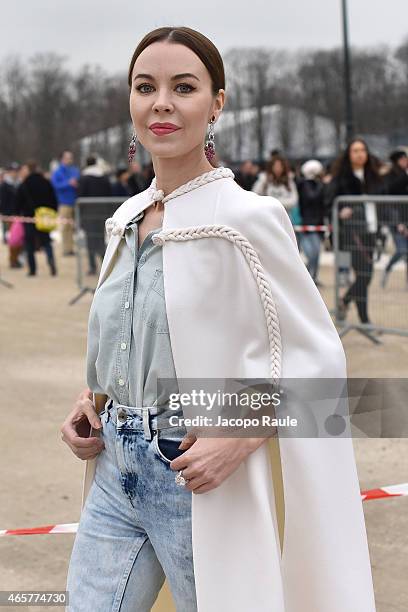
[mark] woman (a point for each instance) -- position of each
(34, 191)
(355, 173)
(216, 290)
(277, 182)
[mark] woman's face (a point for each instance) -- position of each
(358, 155)
(24, 172)
(158, 96)
(277, 168)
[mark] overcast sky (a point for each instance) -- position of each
(107, 31)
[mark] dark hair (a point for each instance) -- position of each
(32, 166)
(284, 178)
(120, 172)
(342, 165)
(397, 155)
(91, 160)
(197, 42)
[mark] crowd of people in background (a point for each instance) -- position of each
(25, 187)
(306, 189)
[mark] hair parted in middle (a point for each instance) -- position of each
(341, 167)
(194, 40)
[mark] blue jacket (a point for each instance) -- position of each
(66, 193)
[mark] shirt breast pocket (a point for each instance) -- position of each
(154, 306)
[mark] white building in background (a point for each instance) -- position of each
(288, 129)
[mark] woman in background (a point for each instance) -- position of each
(277, 182)
(356, 173)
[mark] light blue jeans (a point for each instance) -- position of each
(310, 243)
(135, 527)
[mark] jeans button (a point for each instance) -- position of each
(122, 414)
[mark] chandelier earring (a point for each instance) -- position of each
(210, 145)
(132, 148)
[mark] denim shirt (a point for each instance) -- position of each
(128, 335)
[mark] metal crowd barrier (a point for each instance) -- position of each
(370, 297)
(90, 237)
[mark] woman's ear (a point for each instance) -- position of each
(219, 103)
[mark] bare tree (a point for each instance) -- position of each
(45, 107)
(320, 87)
(50, 104)
(14, 123)
(235, 98)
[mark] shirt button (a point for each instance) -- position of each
(127, 304)
(121, 382)
(123, 346)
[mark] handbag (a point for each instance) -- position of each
(16, 234)
(99, 401)
(45, 219)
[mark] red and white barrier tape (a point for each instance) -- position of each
(11, 218)
(312, 228)
(297, 228)
(392, 491)
(64, 528)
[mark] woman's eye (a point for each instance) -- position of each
(190, 87)
(139, 87)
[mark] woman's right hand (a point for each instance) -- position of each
(76, 428)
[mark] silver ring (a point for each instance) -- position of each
(180, 480)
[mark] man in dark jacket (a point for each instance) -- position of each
(137, 181)
(120, 188)
(34, 191)
(94, 183)
(246, 175)
(397, 185)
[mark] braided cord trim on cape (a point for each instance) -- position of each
(203, 179)
(251, 256)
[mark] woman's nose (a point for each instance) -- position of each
(162, 103)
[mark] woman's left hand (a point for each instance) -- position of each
(209, 461)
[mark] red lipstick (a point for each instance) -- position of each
(161, 129)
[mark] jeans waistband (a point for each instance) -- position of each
(140, 410)
(150, 416)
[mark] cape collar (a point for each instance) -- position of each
(116, 225)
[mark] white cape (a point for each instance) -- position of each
(285, 532)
